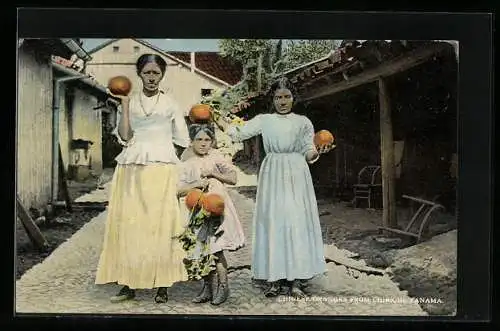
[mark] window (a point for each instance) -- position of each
(136, 49)
(205, 92)
(116, 49)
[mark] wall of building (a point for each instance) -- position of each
(34, 129)
(87, 125)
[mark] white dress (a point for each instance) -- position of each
(143, 213)
(153, 134)
(232, 237)
(287, 240)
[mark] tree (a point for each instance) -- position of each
(256, 56)
(264, 60)
(299, 52)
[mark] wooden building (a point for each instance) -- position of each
(389, 103)
(49, 116)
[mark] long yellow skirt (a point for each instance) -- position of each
(143, 216)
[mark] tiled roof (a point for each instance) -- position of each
(213, 64)
(354, 58)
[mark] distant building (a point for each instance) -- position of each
(190, 75)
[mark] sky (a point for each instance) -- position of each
(183, 45)
(172, 45)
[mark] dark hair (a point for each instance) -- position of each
(281, 83)
(196, 128)
(150, 58)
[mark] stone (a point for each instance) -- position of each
(63, 283)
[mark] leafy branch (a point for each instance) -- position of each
(263, 61)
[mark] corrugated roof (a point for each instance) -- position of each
(48, 46)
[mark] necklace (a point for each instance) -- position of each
(152, 108)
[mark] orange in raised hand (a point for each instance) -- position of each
(323, 138)
(120, 85)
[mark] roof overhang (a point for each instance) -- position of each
(76, 49)
(96, 88)
(342, 63)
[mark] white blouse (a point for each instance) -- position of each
(157, 123)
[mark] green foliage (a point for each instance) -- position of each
(263, 61)
(300, 52)
(244, 50)
(223, 100)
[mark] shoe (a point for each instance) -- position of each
(205, 294)
(162, 295)
(273, 290)
(222, 294)
(125, 294)
(296, 291)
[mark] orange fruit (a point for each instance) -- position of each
(120, 85)
(213, 203)
(194, 198)
(323, 138)
(200, 113)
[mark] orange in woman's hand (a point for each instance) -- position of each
(120, 85)
(323, 138)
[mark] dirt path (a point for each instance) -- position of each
(64, 282)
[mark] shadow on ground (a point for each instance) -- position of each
(60, 226)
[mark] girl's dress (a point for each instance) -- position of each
(287, 240)
(143, 212)
(205, 236)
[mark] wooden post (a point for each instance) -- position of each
(337, 169)
(64, 182)
(387, 157)
(31, 228)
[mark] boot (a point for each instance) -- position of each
(125, 294)
(222, 289)
(273, 289)
(162, 295)
(296, 291)
(205, 294)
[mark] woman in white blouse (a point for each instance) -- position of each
(143, 215)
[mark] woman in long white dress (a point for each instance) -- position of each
(139, 251)
(287, 242)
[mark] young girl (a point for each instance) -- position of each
(206, 168)
(287, 243)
